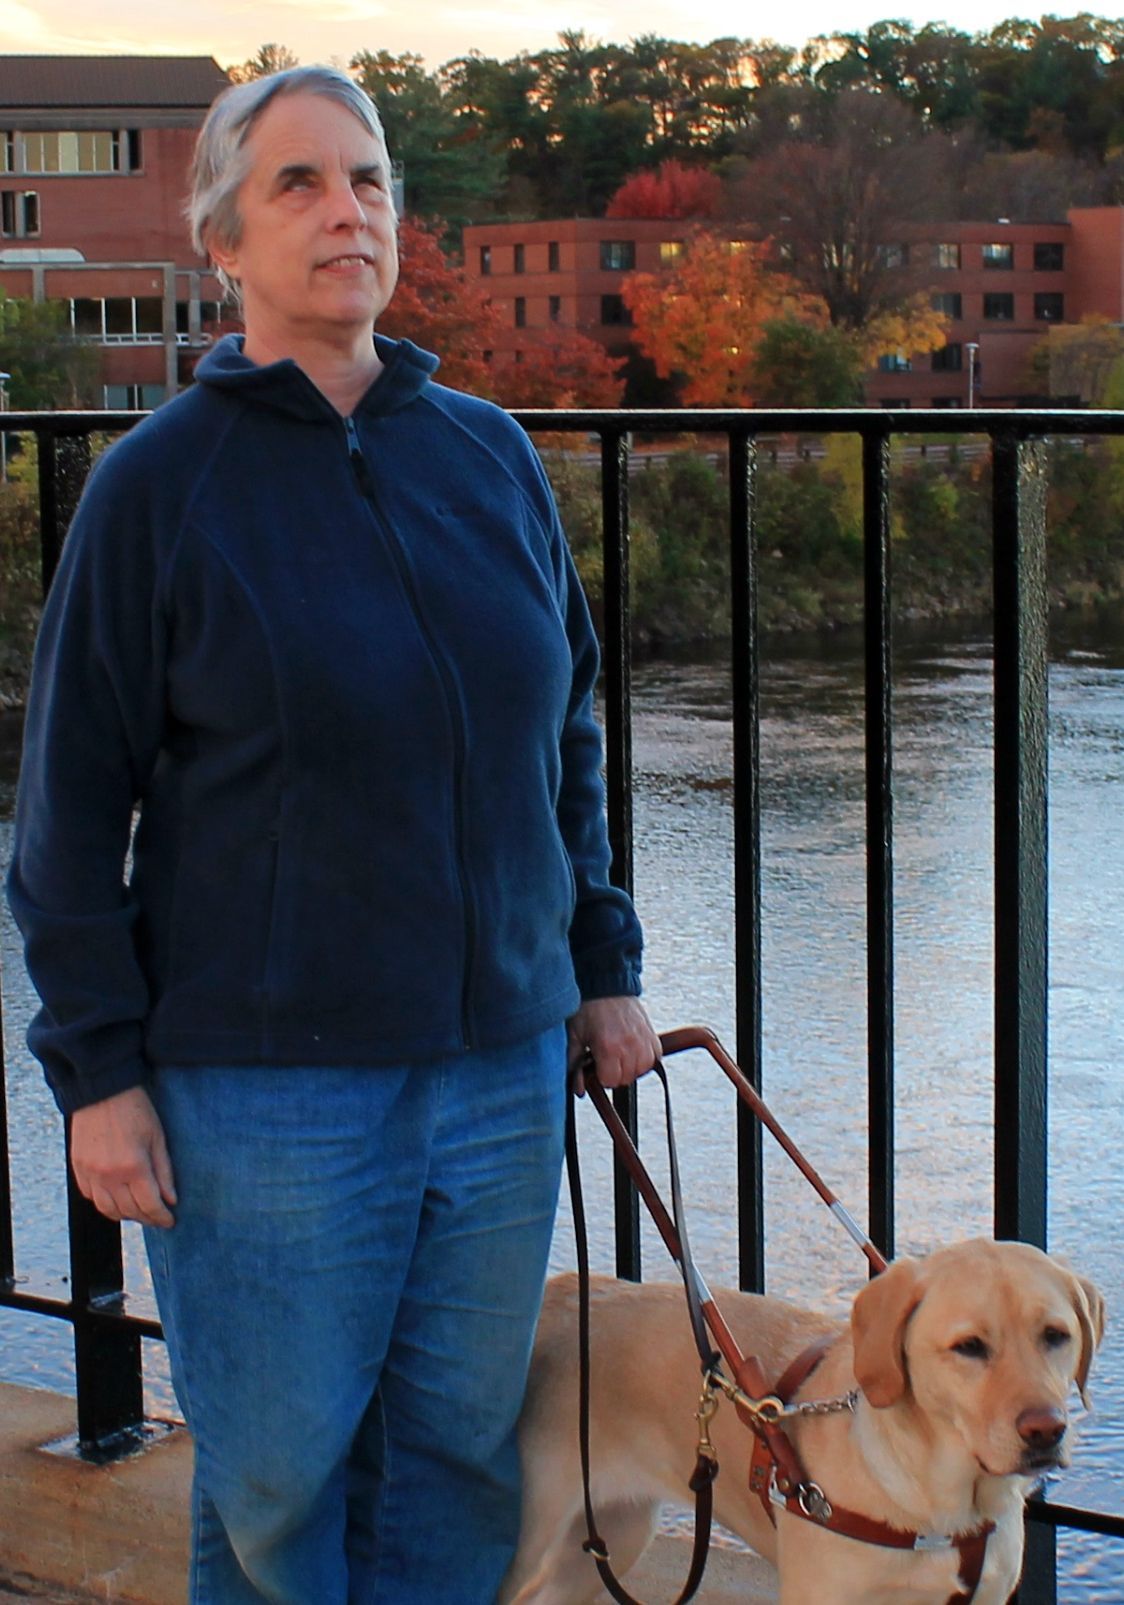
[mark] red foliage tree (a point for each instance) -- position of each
(439, 308)
(559, 368)
(669, 190)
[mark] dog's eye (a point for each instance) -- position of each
(972, 1348)
(1055, 1337)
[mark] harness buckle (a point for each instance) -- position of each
(813, 1501)
(708, 1406)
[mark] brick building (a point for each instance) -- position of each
(1003, 286)
(94, 153)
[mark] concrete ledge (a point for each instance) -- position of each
(117, 1533)
(73, 1532)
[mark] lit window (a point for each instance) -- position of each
(1000, 255)
(670, 251)
(946, 254)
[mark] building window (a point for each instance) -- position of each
(999, 307)
(122, 320)
(7, 152)
(893, 256)
(946, 255)
(670, 251)
(133, 398)
(1049, 306)
(949, 359)
(894, 362)
(553, 257)
(520, 312)
(614, 311)
(618, 256)
(555, 308)
(69, 152)
(19, 213)
(895, 401)
(947, 401)
(519, 259)
(1049, 256)
(485, 261)
(950, 302)
(999, 255)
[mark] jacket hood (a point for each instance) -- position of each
(286, 387)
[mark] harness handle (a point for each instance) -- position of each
(701, 1036)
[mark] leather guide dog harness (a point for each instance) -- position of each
(776, 1475)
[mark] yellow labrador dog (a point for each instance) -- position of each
(964, 1362)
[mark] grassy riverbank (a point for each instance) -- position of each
(809, 533)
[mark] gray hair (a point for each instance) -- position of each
(222, 162)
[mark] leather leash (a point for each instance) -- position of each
(701, 1482)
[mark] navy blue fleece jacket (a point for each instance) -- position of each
(345, 669)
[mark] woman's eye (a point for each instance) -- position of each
(972, 1348)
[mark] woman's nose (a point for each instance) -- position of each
(345, 210)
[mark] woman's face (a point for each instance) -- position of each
(317, 260)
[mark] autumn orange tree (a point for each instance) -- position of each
(704, 319)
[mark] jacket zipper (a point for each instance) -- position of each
(448, 686)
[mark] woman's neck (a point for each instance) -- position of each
(342, 373)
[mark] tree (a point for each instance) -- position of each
(449, 169)
(670, 190)
(797, 364)
(704, 319)
(1080, 362)
(835, 198)
(559, 368)
(268, 60)
(439, 308)
(47, 366)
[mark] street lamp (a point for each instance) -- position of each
(973, 351)
(4, 377)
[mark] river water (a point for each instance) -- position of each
(814, 996)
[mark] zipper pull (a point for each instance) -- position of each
(358, 461)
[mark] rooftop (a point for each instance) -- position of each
(76, 82)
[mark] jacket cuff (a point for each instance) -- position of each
(74, 1093)
(623, 982)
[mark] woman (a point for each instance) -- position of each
(317, 617)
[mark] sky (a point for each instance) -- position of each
(439, 30)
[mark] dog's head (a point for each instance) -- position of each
(985, 1340)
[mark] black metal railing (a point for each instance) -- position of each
(107, 1338)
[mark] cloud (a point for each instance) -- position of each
(22, 24)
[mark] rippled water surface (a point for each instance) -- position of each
(814, 996)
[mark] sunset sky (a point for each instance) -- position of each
(438, 30)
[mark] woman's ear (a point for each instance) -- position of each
(878, 1321)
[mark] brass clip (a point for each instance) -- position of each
(708, 1405)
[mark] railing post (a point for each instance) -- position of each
(745, 670)
(108, 1376)
(879, 838)
(1021, 640)
(7, 1244)
(618, 773)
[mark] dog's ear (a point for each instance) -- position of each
(1089, 1308)
(878, 1319)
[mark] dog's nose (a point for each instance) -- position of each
(1041, 1427)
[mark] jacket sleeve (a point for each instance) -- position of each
(93, 731)
(606, 940)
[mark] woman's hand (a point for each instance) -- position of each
(120, 1159)
(617, 1035)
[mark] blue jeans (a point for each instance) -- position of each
(349, 1296)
